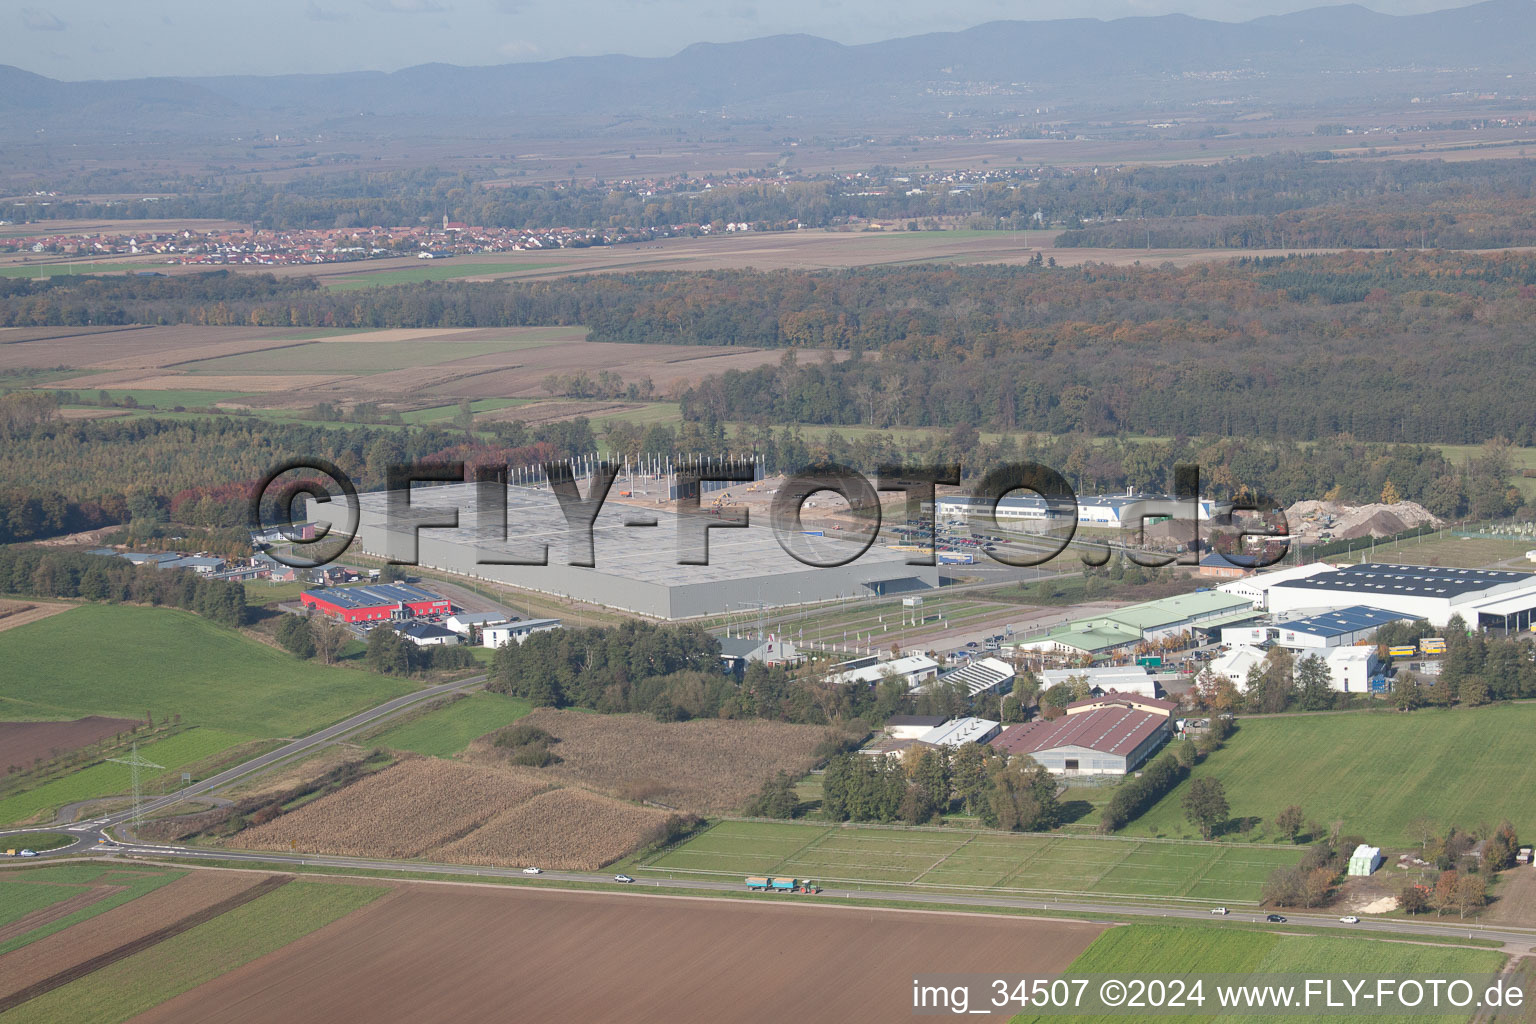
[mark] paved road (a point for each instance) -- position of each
(1517, 940)
(297, 747)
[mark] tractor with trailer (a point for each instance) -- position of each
(766, 883)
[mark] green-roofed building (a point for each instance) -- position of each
(1138, 623)
(1171, 615)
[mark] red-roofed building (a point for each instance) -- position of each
(1108, 740)
(1116, 699)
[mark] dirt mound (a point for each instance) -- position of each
(1315, 519)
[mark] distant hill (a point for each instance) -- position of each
(1315, 57)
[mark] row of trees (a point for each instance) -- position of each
(1014, 794)
(45, 573)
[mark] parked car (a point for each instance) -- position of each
(622, 878)
(1220, 910)
(1275, 919)
(1351, 919)
(533, 871)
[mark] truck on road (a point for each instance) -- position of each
(766, 883)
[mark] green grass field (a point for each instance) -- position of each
(123, 661)
(1170, 951)
(105, 778)
(68, 269)
(977, 859)
(1375, 771)
(442, 413)
(445, 732)
(429, 270)
(181, 963)
(1457, 552)
(20, 888)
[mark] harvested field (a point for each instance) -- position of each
(127, 949)
(132, 348)
(55, 911)
(404, 811)
(446, 953)
(563, 828)
(705, 766)
(256, 383)
(33, 963)
(19, 613)
(25, 742)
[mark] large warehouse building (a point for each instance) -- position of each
(1103, 736)
(636, 551)
(1491, 599)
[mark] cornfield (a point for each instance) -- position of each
(563, 828)
(404, 811)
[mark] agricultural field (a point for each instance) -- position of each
(165, 969)
(1375, 771)
(426, 371)
(408, 810)
(103, 778)
(19, 613)
(446, 730)
(966, 860)
(22, 743)
(569, 829)
(1168, 951)
(123, 661)
(703, 766)
(442, 953)
(82, 892)
(434, 270)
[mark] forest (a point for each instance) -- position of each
(1386, 347)
(39, 572)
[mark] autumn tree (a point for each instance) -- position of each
(330, 637)
(1289, 821)
(1412, 900)
(1205, 805)
(1443, 899)
(1471, 894)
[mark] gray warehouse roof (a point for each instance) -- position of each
(1406, 580)
(1342, 622)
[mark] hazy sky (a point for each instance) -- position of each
(76, 39)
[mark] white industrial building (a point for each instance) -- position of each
(1340, 628)
(913, 668)
(1256, 587)
(911, 727)
(464, 623)
(986, 675)
(1496, 600)
(961, 730)
(1350, 669)
(1119, 678)
(500, 636)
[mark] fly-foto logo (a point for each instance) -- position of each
(1250, 531)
